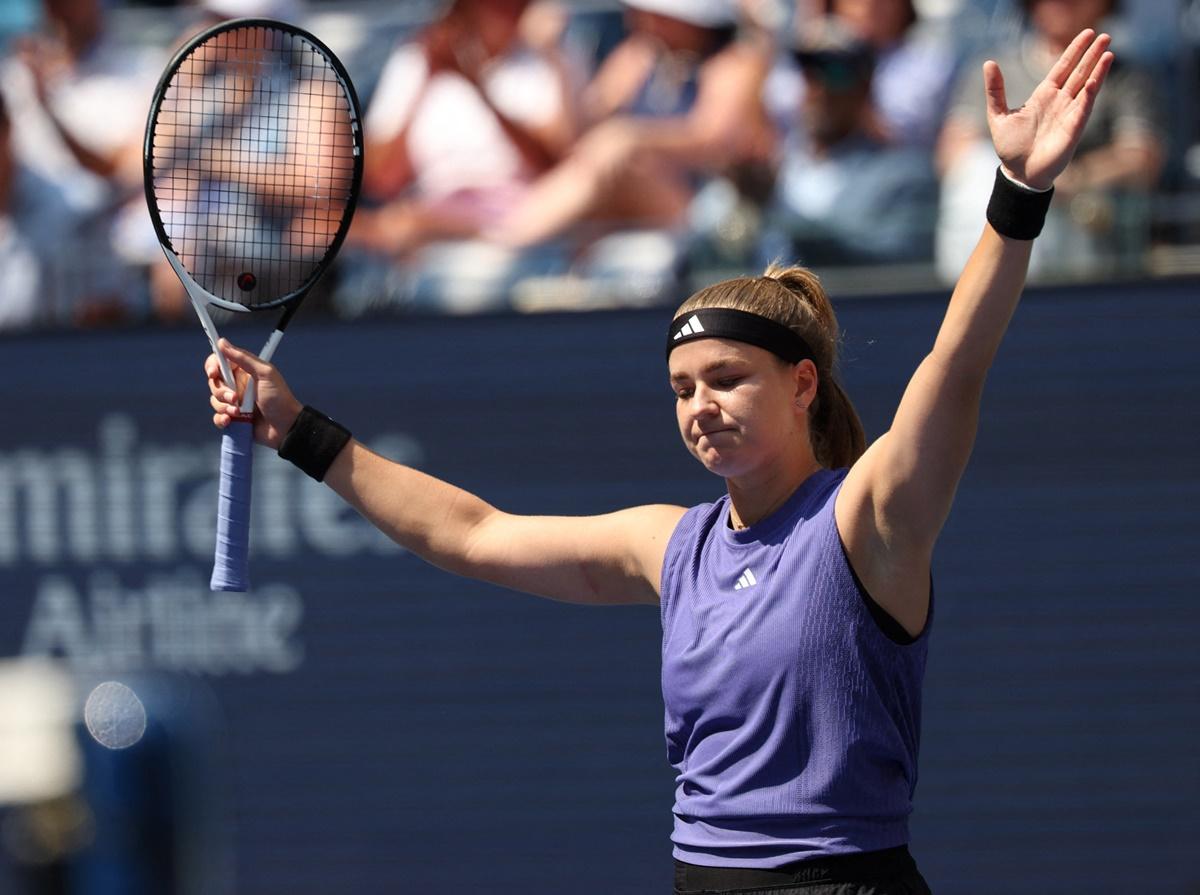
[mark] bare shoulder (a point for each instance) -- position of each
(652, 524)
(655, 517)
(649, 530)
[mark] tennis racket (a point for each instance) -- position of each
(253, 162)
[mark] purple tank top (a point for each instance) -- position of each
(792, 719)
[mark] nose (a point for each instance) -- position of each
(703, 402)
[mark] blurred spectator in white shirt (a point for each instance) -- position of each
(464, 117)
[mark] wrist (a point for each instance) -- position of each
(313, 442)
(285, 422)
(1017, 181)
(1017, 211)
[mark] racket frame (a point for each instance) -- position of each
(200, 297)
(194, 289)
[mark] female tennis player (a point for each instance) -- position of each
(796, 608)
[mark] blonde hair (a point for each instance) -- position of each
(794, 297)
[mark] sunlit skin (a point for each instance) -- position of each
(743, 413)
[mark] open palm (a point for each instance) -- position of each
(1036, 141)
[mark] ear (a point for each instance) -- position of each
(805, 379)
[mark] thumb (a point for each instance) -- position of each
(251, 363)
(993, 88)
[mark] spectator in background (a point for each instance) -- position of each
(675, 100)
(842, 195)
(466, 115)
(78, 99)
(914, 69)
(678, 100)
(1096, 223)
(34, 226)
(464, 118)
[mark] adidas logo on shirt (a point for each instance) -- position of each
(688, 329)
(746, 579)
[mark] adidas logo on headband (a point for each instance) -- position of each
(690, 328)
(741, 326)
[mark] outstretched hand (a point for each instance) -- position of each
(1036, 141)
(275, 407)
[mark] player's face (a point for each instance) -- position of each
(735, 404)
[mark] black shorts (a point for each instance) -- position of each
(889, 872)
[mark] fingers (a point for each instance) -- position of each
(251, 363)
(218, 389)
(223, 404)
(993, 88)
(1099, 73)
(1084, 70)
(216, 379)
(1082, 106)
(1070, 57)
(222, 397)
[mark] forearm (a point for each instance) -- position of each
(609, 559)
(982, 305)
(904, 485)
(897, 496)
(425, 515)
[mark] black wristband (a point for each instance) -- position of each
(1016, 211)
(313, 442)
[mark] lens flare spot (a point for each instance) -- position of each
(114, 715)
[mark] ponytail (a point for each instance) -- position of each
(836, 431)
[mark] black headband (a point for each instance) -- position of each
(741, 326)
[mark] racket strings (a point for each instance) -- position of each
(254, 160)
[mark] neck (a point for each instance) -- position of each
(756, 496)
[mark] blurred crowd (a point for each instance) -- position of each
(533, 154)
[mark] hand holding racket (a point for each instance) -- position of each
(275, 407)
(253, 162)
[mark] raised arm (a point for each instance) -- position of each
(607, 559)
(897, 497)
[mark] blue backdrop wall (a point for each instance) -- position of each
(363, 722)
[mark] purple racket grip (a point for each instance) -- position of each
(231, 565)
